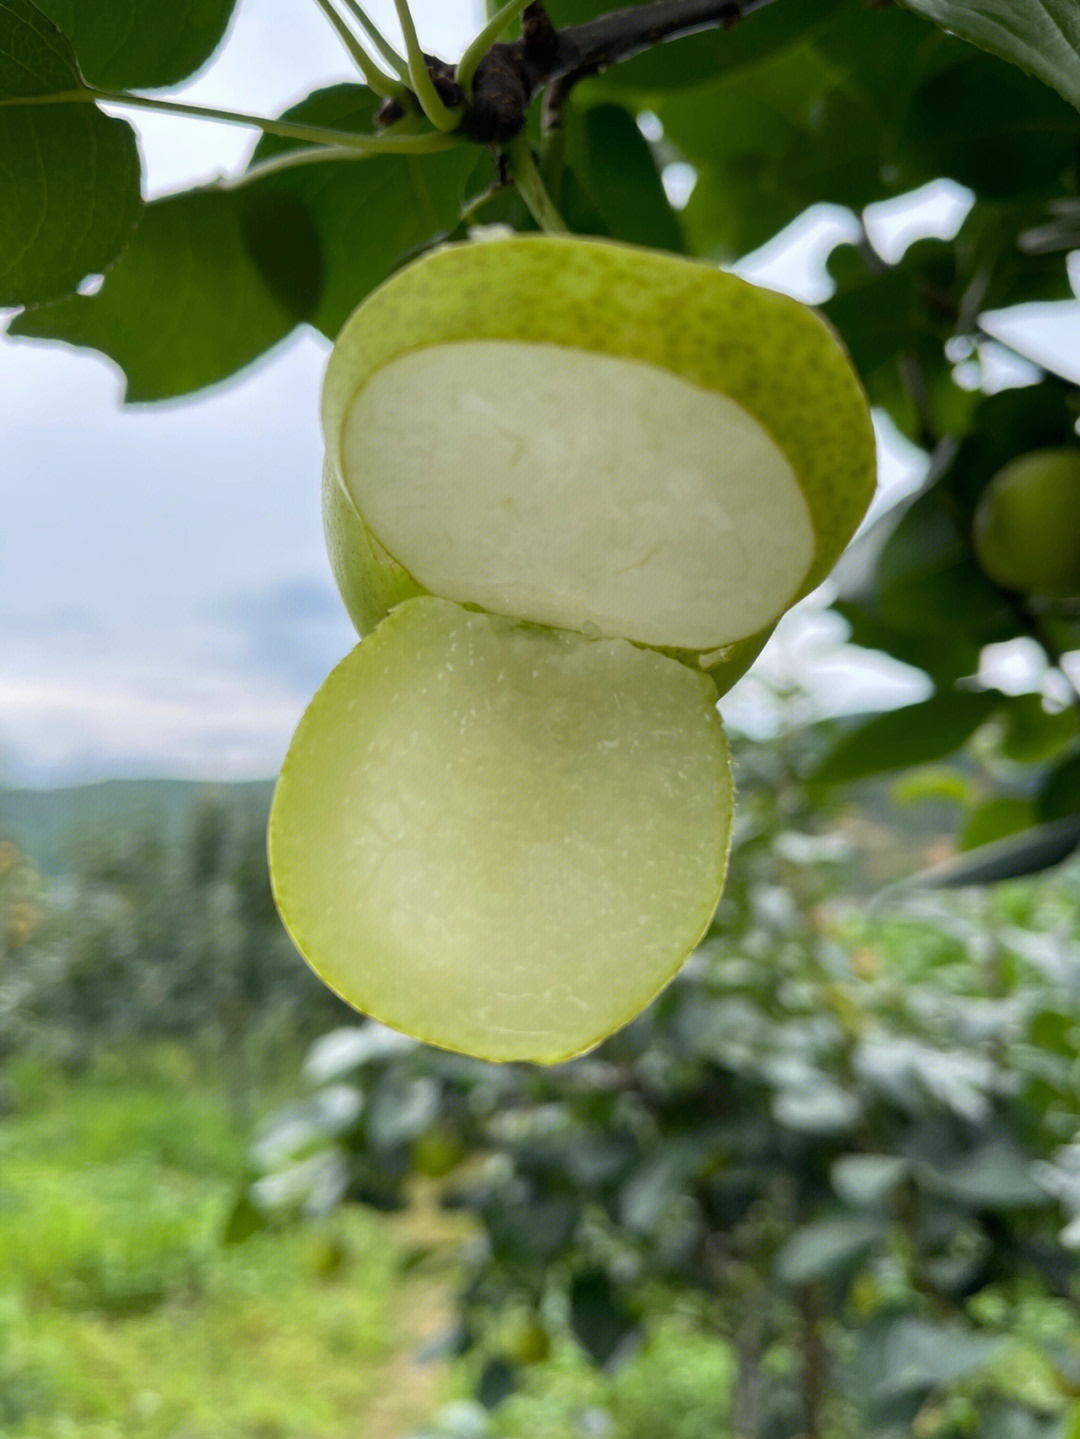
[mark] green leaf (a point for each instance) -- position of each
(185, 306)
(497, 1382)
(400, 1109)
(244, 1220)
(368, 215)
(70, 173)
(920, 1355)
(697, 58)
(1030, 852)
(602, 1322)
(945, 657)
(831, 1247)
(942, 402)
(997, 1175)
(882, 314)
(868, 1181)
(984, 125)
(995, 819)
(1041, 36)
(656, 1184)
(1059, 795)
(140, 44)
(817, 1107)
(1014, 254)
(927, 581)
(769, 140)
(527, 1232)
(882, 52)
(876, 317)
(612, 160)
(915, 734)
(1008, 424)
(1033, 733)
(284, 244)
(341, 1052)
(819, 120)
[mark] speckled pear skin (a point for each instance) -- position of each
(371, 582)
(773, 355)
(736, 661)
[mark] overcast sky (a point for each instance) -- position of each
(165, 600)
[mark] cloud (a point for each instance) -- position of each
(58, 732)
(293, 632)
(208, 690)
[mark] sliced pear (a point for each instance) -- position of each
(501, 839)
(592, 436)
(372, 583)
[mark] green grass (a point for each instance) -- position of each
(678, 1386)
(122, 1317)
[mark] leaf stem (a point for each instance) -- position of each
(469, 211)
(531, 187)
(373, 77)
(483, 41)
(284, 129)
(420, 79)
(428, 144)
(59, 97)
(395, 61)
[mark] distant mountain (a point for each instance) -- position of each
(51, 825)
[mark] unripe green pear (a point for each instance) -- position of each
(437, 1152)
(594, 437)
(523, 1339)
(1027, 524)
(567, 483)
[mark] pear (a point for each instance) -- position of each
(1027, 524)
(500, 838)
(594, 437)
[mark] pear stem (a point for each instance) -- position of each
(483, 41)
(396, 62)
(440, 115)
(374, 78)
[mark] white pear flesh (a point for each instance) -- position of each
(502, 839)
(596, 436)
(665, 513)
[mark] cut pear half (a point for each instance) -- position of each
(501, 839)
(596, 437)
(579, 490)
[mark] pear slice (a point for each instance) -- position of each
(501, 839)
(592, 436)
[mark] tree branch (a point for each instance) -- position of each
(605, 41)
(510, 76)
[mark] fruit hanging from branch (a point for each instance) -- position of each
(592, 436)
(570, 487)
(1027, 524)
